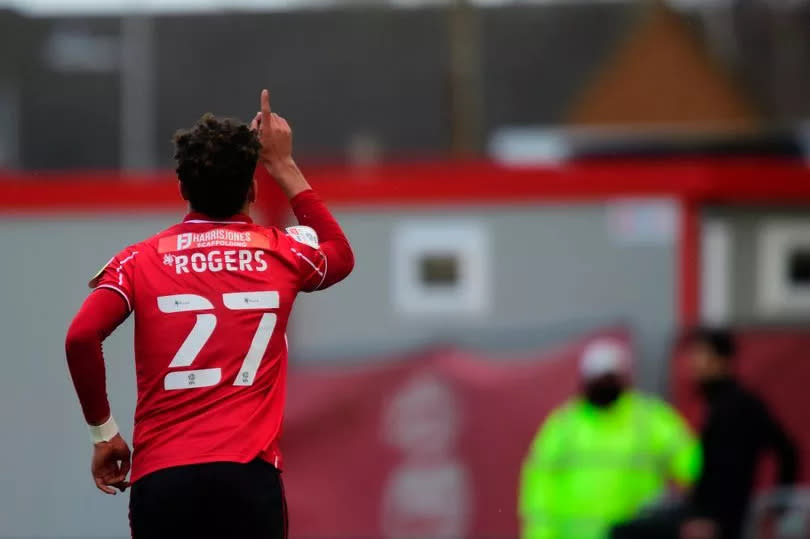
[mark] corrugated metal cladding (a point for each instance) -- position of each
(337, 74)
(343, 74)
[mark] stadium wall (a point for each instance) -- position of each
(562, 246)
(54, 257)
(767, 252)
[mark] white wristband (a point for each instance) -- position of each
(104, 432)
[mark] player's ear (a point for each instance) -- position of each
(183, 192)
(252, 190)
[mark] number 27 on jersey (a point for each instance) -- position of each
(204, 327)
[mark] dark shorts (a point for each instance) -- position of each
(213, 500)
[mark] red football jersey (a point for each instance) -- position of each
(211, 300)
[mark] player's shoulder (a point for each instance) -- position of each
(125, 256)
(128, 256)
(303, 235)
(154, 240)
(294, 236)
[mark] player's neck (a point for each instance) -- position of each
(244, 210)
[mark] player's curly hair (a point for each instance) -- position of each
(216, 159)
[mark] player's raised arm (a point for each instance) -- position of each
(275, 136)
(337, 259)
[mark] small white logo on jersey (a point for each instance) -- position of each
(184, 241)
(168, 260)
(305, 235)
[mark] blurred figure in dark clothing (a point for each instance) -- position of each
(736, 431)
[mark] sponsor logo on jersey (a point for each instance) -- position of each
(218, 237)
(217, 260)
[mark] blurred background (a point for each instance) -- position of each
(517, 178)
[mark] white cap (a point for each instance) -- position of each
(604, 356)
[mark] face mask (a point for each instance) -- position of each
(604, 392)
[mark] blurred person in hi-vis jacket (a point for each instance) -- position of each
(603, 456)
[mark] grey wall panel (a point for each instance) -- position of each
(553, 267)
(552, 264)
(45, 485)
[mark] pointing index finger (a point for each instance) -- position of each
(265, 105)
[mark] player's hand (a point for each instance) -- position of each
(111, 465)
(275, 136)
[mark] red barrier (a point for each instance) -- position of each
(774, 364)
(426, 446)
(701, 180)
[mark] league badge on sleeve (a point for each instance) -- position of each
(305, 235)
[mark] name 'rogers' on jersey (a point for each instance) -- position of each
(215, 260)
(244, 259)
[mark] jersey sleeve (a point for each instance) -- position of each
(331, 259)
(99, 315)
(310, 259)
(118, 275)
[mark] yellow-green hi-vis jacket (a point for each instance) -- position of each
(589, 468)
